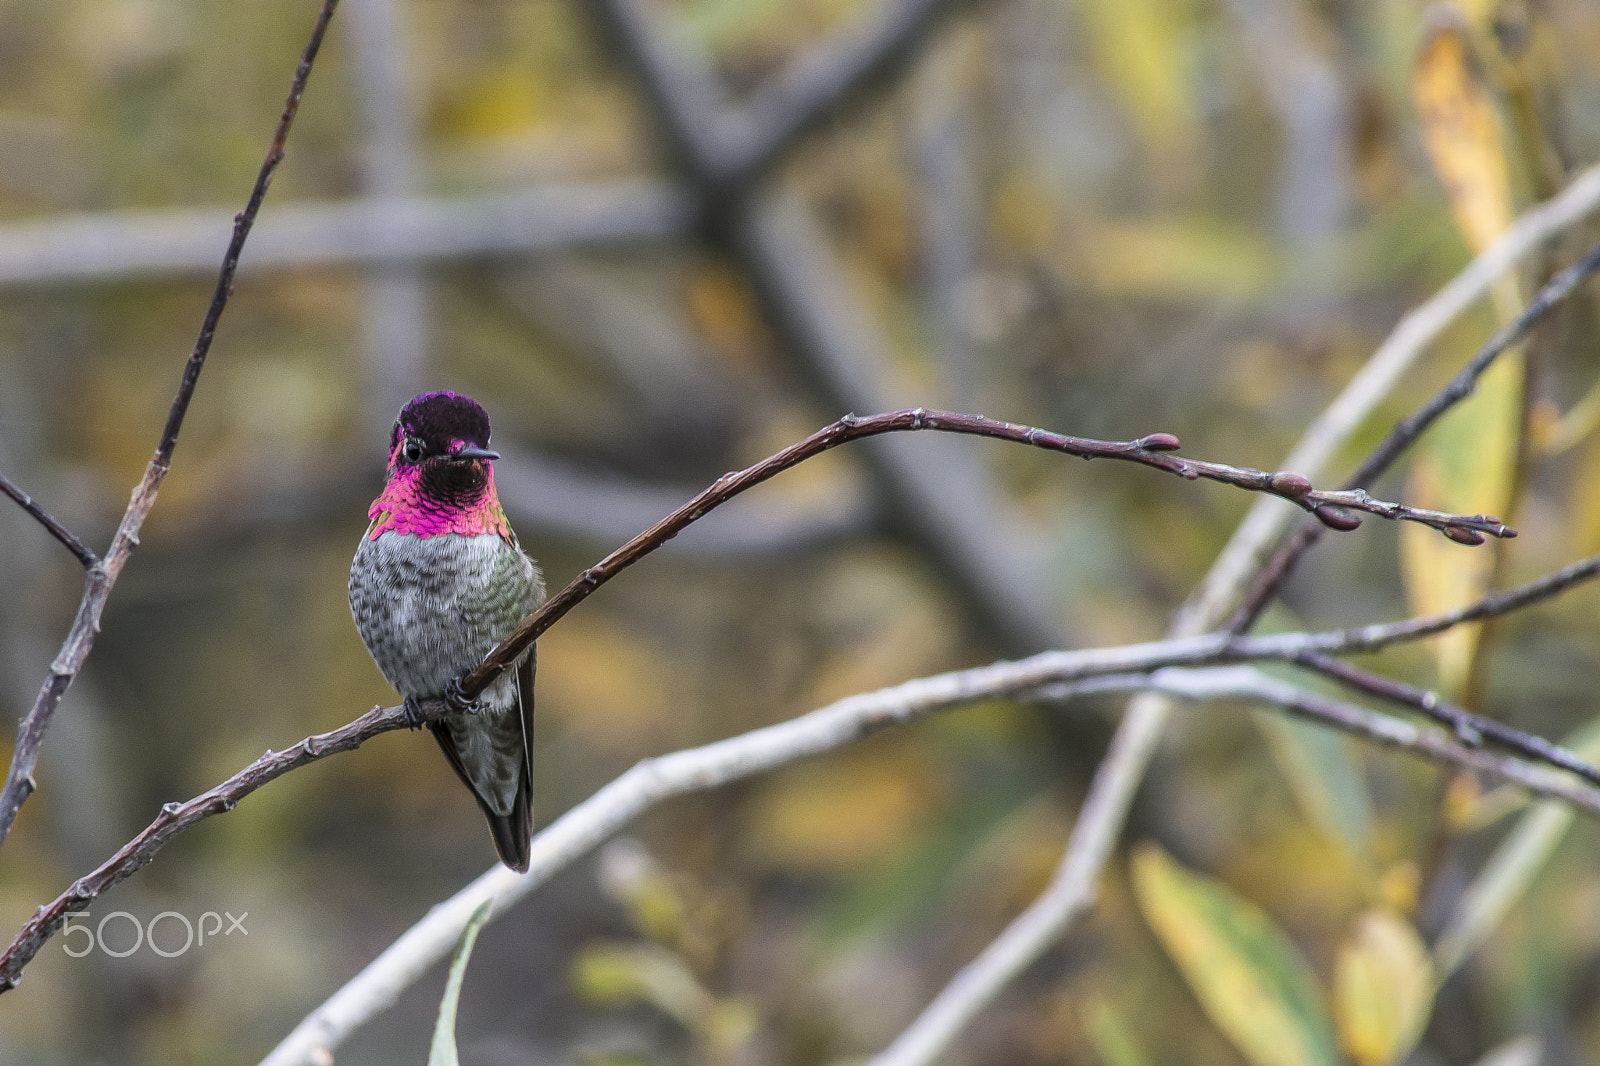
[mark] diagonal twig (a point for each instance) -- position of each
(1227, 584)
(68, 538)
(103, 574)
(589, 823)
(1406, 432)
(1153, 450)
(1473, 730)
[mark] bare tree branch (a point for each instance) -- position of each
(1374, 637)
(1406, 432)
(68, 538)
(103, 575)
(1052, 675)
(372, 231)
(1241, 562)
(585, 826)
(1473, 730)
(1153, 450)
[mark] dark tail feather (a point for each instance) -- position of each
(513, 832)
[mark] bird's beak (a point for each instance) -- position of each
(474, 453)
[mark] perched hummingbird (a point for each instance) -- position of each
(437, 581)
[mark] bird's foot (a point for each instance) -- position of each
(415, 717)
(457, 702)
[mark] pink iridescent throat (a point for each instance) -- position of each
(404, 507)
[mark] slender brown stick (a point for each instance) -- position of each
(1154, 450)
(1374, 637)
(1404, 434)
(77, 547)
(175, 818)
(103, 574)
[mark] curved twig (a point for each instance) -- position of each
(1154, 450)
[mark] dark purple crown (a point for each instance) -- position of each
(437, 418)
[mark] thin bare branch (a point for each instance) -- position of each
(585, 826)
(1073, 888)
(369, 231)
(68, 538)
(1241, 562)
(1473, 730)
(1406, 432)
(103, 575)
(1154, 450)
(1374, 637)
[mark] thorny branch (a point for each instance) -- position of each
(1154, 450)
(103, 574)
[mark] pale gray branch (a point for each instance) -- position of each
(585, 826)
(370, 231)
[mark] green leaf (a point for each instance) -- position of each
(1245, 971)
(1510, 871)
(1110, 1035)
(443, 1051)
(614, 974)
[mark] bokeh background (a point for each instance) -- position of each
(1105, 217)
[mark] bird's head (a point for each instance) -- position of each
(440, 443)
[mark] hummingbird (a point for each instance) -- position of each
(438, 580)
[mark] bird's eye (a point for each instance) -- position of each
(412, 451)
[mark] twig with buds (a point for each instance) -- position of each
(103, 573)
(1406, 432)
(1154, 450)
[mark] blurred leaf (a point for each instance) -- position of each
(1461, 128)
(1174, 258)
(1523, 1051)
(1247, 974)
(1139, 47)
(1321, 767)
(1383, 988)
(443, 1051)
(631, 876)
(1468, 462)
(613, 974)
(911, 881)
(1108, 1032)
(1511, 870)
(833, 816)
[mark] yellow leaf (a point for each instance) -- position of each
(1247, 974)
(1461, 130)
(1383, 988)
(1468, 462)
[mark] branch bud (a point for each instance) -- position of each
(1336, 518)
(1159, 442)
(1290, 484)
(1463, 535)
